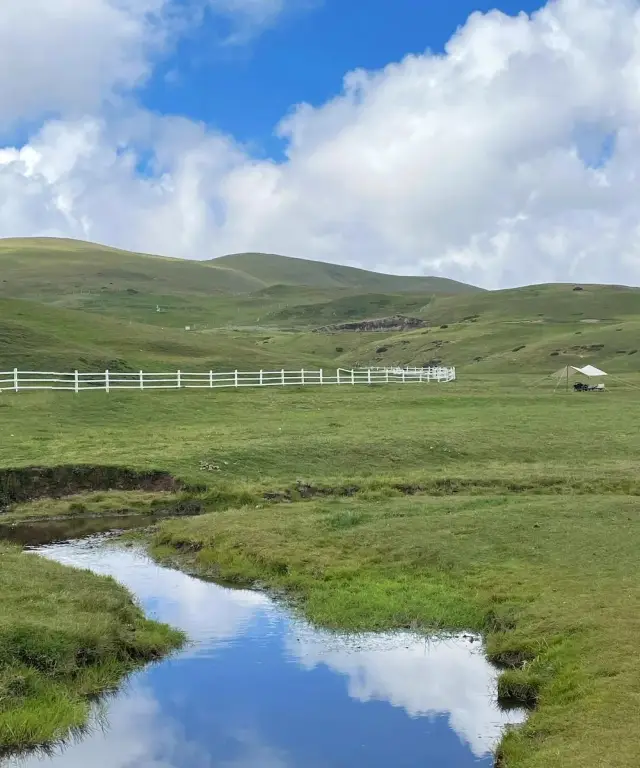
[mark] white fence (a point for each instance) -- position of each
(77, 381)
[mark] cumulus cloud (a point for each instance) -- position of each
(72, 55)
(510, 158)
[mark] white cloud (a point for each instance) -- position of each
(470, 164)
(71, 55)
(252, 16)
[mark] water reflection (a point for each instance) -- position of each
(258, 689)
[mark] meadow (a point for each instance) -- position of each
(490, 504)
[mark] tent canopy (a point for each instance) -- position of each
(588, 370)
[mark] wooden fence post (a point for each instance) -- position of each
(16, 383)
(106, 382)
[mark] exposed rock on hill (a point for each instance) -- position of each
(394, 323)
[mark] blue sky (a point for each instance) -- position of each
(430, 137)
(246, 89)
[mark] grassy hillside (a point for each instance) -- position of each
(67, 271)
(271, 269)
(70, 271)
(65, 304)
(38, 337)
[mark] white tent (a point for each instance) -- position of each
(590, 371)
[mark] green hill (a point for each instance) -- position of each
(273, 269)
(68, 271)
(35, 336)
(66, 305)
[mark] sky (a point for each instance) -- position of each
(496, 143)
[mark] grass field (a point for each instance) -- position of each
(488, 505)
(491, 504)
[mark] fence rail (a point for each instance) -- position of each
(78, 381)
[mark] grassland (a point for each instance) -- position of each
(492, 504)
(488, 505)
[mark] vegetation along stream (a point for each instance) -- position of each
(258, 686)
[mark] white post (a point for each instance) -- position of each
(261, 377)
(16, 384)
(368, 375)
(353, 376)
(302, 377)
(321, 381)
(386, 373)
(235, 378)
(178, 380)
(282, 374)
(337, 375)
(211, 379)
(76, 383)
(106, 381)
(403, 376)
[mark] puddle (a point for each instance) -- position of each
(36, 533)
(258, 688)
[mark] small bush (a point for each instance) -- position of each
(346, 518)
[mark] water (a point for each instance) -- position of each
(258, 688)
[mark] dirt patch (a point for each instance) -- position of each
(30, 483)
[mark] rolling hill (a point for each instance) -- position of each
(67, 305)
(50, 268)
(273, 269)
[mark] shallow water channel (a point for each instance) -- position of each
(259, 688)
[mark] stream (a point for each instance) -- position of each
(257, 687)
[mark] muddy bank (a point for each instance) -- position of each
(449, 486)
(19, 485)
